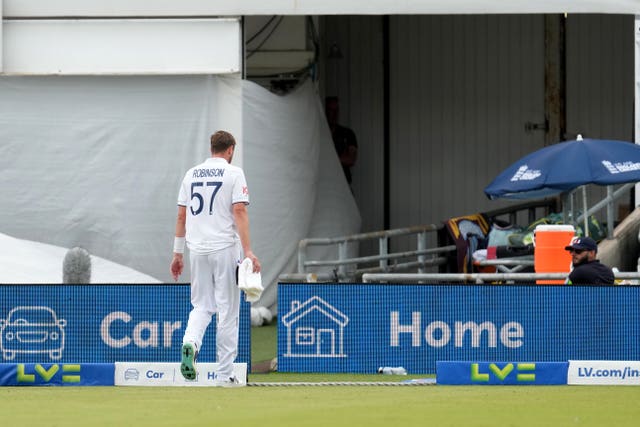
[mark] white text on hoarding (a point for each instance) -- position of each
(439, 333)
(144, 334)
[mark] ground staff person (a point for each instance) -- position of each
(587, 270)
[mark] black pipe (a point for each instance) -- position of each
(385, 121)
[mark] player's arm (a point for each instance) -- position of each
(177, 263)
(241, 218)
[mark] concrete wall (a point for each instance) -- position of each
(622, 250)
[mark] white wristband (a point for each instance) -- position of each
(178, 245)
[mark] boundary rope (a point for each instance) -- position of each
(416, 382)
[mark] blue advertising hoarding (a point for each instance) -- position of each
(62, 324)
(360, 327)
(502, 373)
(57, 374)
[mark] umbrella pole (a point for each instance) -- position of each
(584, 210)
(572, 209)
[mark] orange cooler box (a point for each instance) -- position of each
(549, 255)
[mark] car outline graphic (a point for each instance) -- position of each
(131, 374)
(32, 330)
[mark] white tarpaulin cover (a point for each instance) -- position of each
(26, 262)
(96, 162)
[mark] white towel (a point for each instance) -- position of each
(248, 281)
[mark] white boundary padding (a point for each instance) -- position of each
(161, 374)
(603, 372)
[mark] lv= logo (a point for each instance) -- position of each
(23, 376)
(525, 372)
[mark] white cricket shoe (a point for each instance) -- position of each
(228, 382)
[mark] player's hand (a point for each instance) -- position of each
(254, 259)
(177, 264)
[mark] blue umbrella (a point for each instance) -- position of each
(566, 166)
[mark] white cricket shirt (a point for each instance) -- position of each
(208, 191)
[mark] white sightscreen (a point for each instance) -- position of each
(120, 46)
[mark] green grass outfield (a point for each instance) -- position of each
(321, 406)
(371, 406)
(264, 343)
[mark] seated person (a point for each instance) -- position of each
(587, 270)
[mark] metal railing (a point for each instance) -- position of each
(606, 203)
(422, 257)
(508, 265)
(533, 210)
(508, 270)
(627, 278)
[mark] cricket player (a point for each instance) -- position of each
(214, 223)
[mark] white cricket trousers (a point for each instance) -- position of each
(214, 290)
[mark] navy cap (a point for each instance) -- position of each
(584, 243)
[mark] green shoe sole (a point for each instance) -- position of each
(188, 363)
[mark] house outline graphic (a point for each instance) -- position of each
(324, 339)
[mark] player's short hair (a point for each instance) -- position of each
(221, 141)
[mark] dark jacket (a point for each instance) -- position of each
(591, 273)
